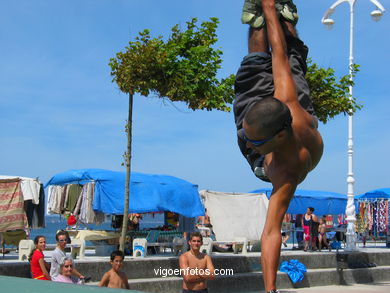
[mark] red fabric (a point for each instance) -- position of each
(306, 233)
(35, 267)
(72, 220)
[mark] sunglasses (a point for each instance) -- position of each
(62, 240)
(258, 143)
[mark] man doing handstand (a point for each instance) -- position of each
(277, 132)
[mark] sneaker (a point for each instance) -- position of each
(252, 14)
(287, 10)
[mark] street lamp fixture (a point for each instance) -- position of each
(350, 210)
(329, 23)
(376, 15)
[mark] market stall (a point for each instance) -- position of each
(324, 202)
(330, 205)
(148, 192)
(89, 194)
(373, 211)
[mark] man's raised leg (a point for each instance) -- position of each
(257, 41)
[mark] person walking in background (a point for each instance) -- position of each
(59, 254)
(186, 226)
(203, 224)
(307, 222)
(322, 239)
(286, 229)
(134, 221)
(39, 268)
(299, 230)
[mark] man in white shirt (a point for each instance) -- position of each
(59, 254)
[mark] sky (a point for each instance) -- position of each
(60, 110)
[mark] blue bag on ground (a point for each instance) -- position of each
(294, 269)
(336, 245)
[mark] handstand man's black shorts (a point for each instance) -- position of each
(254, 81)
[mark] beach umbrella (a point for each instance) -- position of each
(382, 193)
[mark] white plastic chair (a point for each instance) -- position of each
(25, 248)
(207, 246)
(75, 246)
(140, 247)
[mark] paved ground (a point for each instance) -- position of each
(380, 287)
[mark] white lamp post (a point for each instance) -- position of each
(350, 210)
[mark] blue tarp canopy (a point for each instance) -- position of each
(382, 193)
(148, 192)
(323, 202)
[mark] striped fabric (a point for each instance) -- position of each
(12, 215)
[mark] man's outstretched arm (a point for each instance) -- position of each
(285, 89)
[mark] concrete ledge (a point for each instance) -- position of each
(324, 268)
(243, 282)
(15, 269)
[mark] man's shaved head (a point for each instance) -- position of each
(268, 115)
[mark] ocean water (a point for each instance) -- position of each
(58, 222)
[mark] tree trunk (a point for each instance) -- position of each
(128, 170)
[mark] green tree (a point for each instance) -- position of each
(184, 68)
(330, 97)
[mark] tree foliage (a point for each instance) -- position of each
(329, 96)
(184, 68)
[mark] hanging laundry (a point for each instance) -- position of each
(365, 208)
(29, 186)
(388, 213)
(77, 208)
(87, 214)
(39, 212)
(361, 224)
(54, 203)
(370, 216)
(360, 227)
(12, 215)
(36, 212)
(382, 215)
(64, 198)
(74, 192)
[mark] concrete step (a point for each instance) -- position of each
(147, 267)
(140, 268)
(253, 281)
